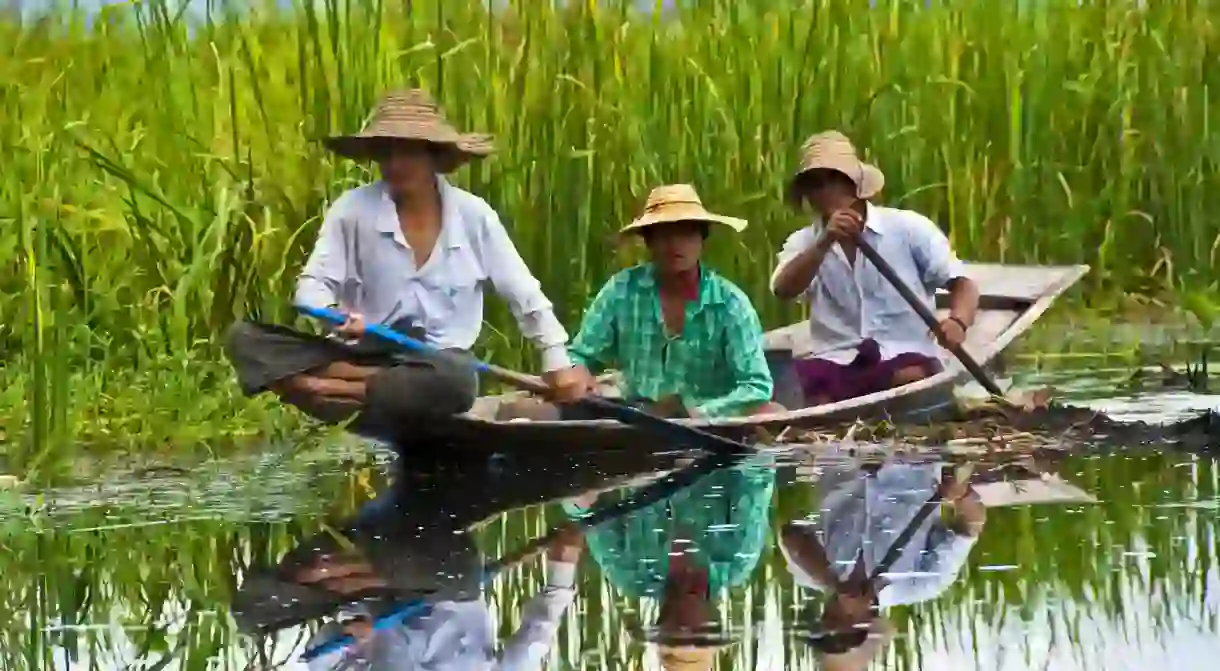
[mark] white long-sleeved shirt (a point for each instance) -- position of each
(363, 262)
(460, 636)
(849, 302)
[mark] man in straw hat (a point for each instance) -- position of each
(867, 337)
(687, 340)
(410, 250)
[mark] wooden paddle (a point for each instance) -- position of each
(605, 407)
(926, 315)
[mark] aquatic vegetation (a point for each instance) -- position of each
(162, 180)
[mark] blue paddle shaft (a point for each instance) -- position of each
(622, 412)
(384, 332)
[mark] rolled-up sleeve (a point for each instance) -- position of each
(795, 244)
(515, 283)
(933, 254)
(326, 268)
(593, 346)
(747, 360)
(540, 620)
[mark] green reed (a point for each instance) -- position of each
(162, 178)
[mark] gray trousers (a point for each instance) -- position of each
(408, 386)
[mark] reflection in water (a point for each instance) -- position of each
(874, 543)
(1128, 580)
(401, 586)
(684, 552)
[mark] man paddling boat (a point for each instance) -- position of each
(687, 340)
(869, 339)
(410, 250)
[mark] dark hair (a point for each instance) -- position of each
(704, 228)
(807, 181)
(382, 148)
(829, 641)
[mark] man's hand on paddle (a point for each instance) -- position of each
(951, 333)
(844, 226)
(570, 384)
(353, 327)
(568, 545)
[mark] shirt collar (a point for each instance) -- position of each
(710, 291)
(451, 235)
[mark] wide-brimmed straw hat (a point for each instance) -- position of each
(678, 202)
(831, 150)
(688, 658)
(411, 114)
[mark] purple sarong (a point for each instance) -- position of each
(866, 374)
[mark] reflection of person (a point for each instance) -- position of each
(684, 551)
(410, 545)
(454, 634)
(845, 551)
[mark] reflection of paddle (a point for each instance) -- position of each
(663, 487)
(961, 474)
(925, 313)
(601, 405)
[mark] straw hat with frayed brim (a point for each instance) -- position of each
(674, 203)
(831, 150)
(412, 115)
(690, 651)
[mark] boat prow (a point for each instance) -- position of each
(1012, 299)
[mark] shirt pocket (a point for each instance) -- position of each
(456, 282)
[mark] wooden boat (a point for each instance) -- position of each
(1012, 298)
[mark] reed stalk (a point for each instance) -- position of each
(164, 180)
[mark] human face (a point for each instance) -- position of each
(827, 191)
(407, 166)
(675, 247)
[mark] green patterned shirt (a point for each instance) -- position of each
(716, 365)
(725, 515)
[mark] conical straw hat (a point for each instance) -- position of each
(831, 150)
(411, 114)
(678, 202)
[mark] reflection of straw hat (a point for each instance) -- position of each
(880, 633)
(678, 202)
(688, 658)
(411, 114)
(831, 150)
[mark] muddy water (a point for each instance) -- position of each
(236, 565)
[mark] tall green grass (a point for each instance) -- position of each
(162, 176)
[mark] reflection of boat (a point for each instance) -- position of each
(1012, 299)
(1047, 488)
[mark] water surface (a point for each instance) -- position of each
(144, 571)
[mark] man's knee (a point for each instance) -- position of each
(410, 390)
(908, 375)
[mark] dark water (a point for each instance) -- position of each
(148, 575)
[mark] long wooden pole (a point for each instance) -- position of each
(925, 313)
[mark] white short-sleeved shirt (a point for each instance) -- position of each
(852, 302)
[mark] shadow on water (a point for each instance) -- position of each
(789, 560)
